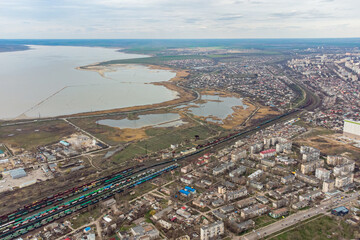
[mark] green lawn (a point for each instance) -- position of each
(319, 229)
(264, 220)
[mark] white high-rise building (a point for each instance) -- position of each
(352, 129)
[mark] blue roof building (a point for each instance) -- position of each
(340, 211)
(186, 193)
(189, 189)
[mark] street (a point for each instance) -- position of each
(300, 216)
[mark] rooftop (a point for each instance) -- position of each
(268, 151)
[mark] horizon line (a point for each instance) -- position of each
(256, 38)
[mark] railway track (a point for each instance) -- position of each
(14, 229)
(53, 199)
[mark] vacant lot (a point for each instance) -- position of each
(29, 136)
(161, 138)
(85, 218)
(325, 140)
(322, 228)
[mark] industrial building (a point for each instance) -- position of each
(352, 129)
(17, 173)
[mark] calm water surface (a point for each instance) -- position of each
(217, 106)
(43, 82)
(155, 120)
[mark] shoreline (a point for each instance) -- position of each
(183, 95)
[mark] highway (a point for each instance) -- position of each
(300, 216)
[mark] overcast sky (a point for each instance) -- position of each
(179, 18)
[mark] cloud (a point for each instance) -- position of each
(312, 14)
(177, 19)
(230, 17)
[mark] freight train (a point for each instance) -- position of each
(50, 200)
(16, 227)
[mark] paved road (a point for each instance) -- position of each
(298, 217)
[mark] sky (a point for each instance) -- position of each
(176, 19)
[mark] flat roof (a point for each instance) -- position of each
(341, 209)
(184, 192)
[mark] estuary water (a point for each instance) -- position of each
(153, 120)
(44, 82)
(216, 106)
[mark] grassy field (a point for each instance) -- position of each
(31, 135)
(318, 131)
(322, 228)
(161, 138)
(325, 140)
(264, 220)
(152, 60)
(84, 218)
(108, 134)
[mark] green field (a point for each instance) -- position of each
(31, 135)
(152, 60)
(321, 228)
(161, 138)
(264, 220)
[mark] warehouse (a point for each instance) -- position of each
(17, 173)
